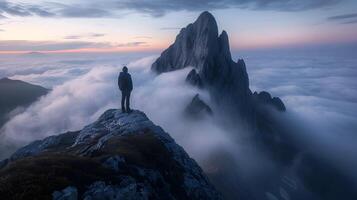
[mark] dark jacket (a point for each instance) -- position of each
(124, 82)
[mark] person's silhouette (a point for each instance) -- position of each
(126, 86)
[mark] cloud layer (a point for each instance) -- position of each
(350, 18)
(158, 8)
(319, 91)
(86, 36)
(27, 45)
(79, 98)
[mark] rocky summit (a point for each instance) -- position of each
(119, 156)
(199, 45)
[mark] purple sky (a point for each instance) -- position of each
(145, 25)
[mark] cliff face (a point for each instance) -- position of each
(193, 46)
(199, 45)
(120, 155)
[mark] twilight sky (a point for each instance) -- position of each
(146, 25)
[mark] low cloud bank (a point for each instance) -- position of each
(85, 94)
(320, 95)
(67, 107)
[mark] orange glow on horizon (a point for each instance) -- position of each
(235, 43)
(91, 50)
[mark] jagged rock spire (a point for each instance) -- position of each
(195, 43)
(200, 46)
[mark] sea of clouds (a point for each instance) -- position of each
(319, 90)
(82, 89)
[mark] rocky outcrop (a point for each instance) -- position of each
(197, 108)
(264, 98)
(119, 155)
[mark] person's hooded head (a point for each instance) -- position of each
(125, 69)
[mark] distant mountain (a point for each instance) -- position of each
(120, 156)
(34, 54)
(16, 93)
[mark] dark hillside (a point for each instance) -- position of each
(15, 93)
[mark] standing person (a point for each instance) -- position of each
(126, 86)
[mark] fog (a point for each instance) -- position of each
(81, 93)
(320, 94)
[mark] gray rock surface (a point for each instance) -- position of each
(56, 142)
(193, 46)
(131, 158)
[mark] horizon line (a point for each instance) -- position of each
(160, 49)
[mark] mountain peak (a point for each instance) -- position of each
(206, 16)
(224, 45)
(207, 20)
(194, 46)
(198, 45)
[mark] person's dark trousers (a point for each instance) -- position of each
(125, 100)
